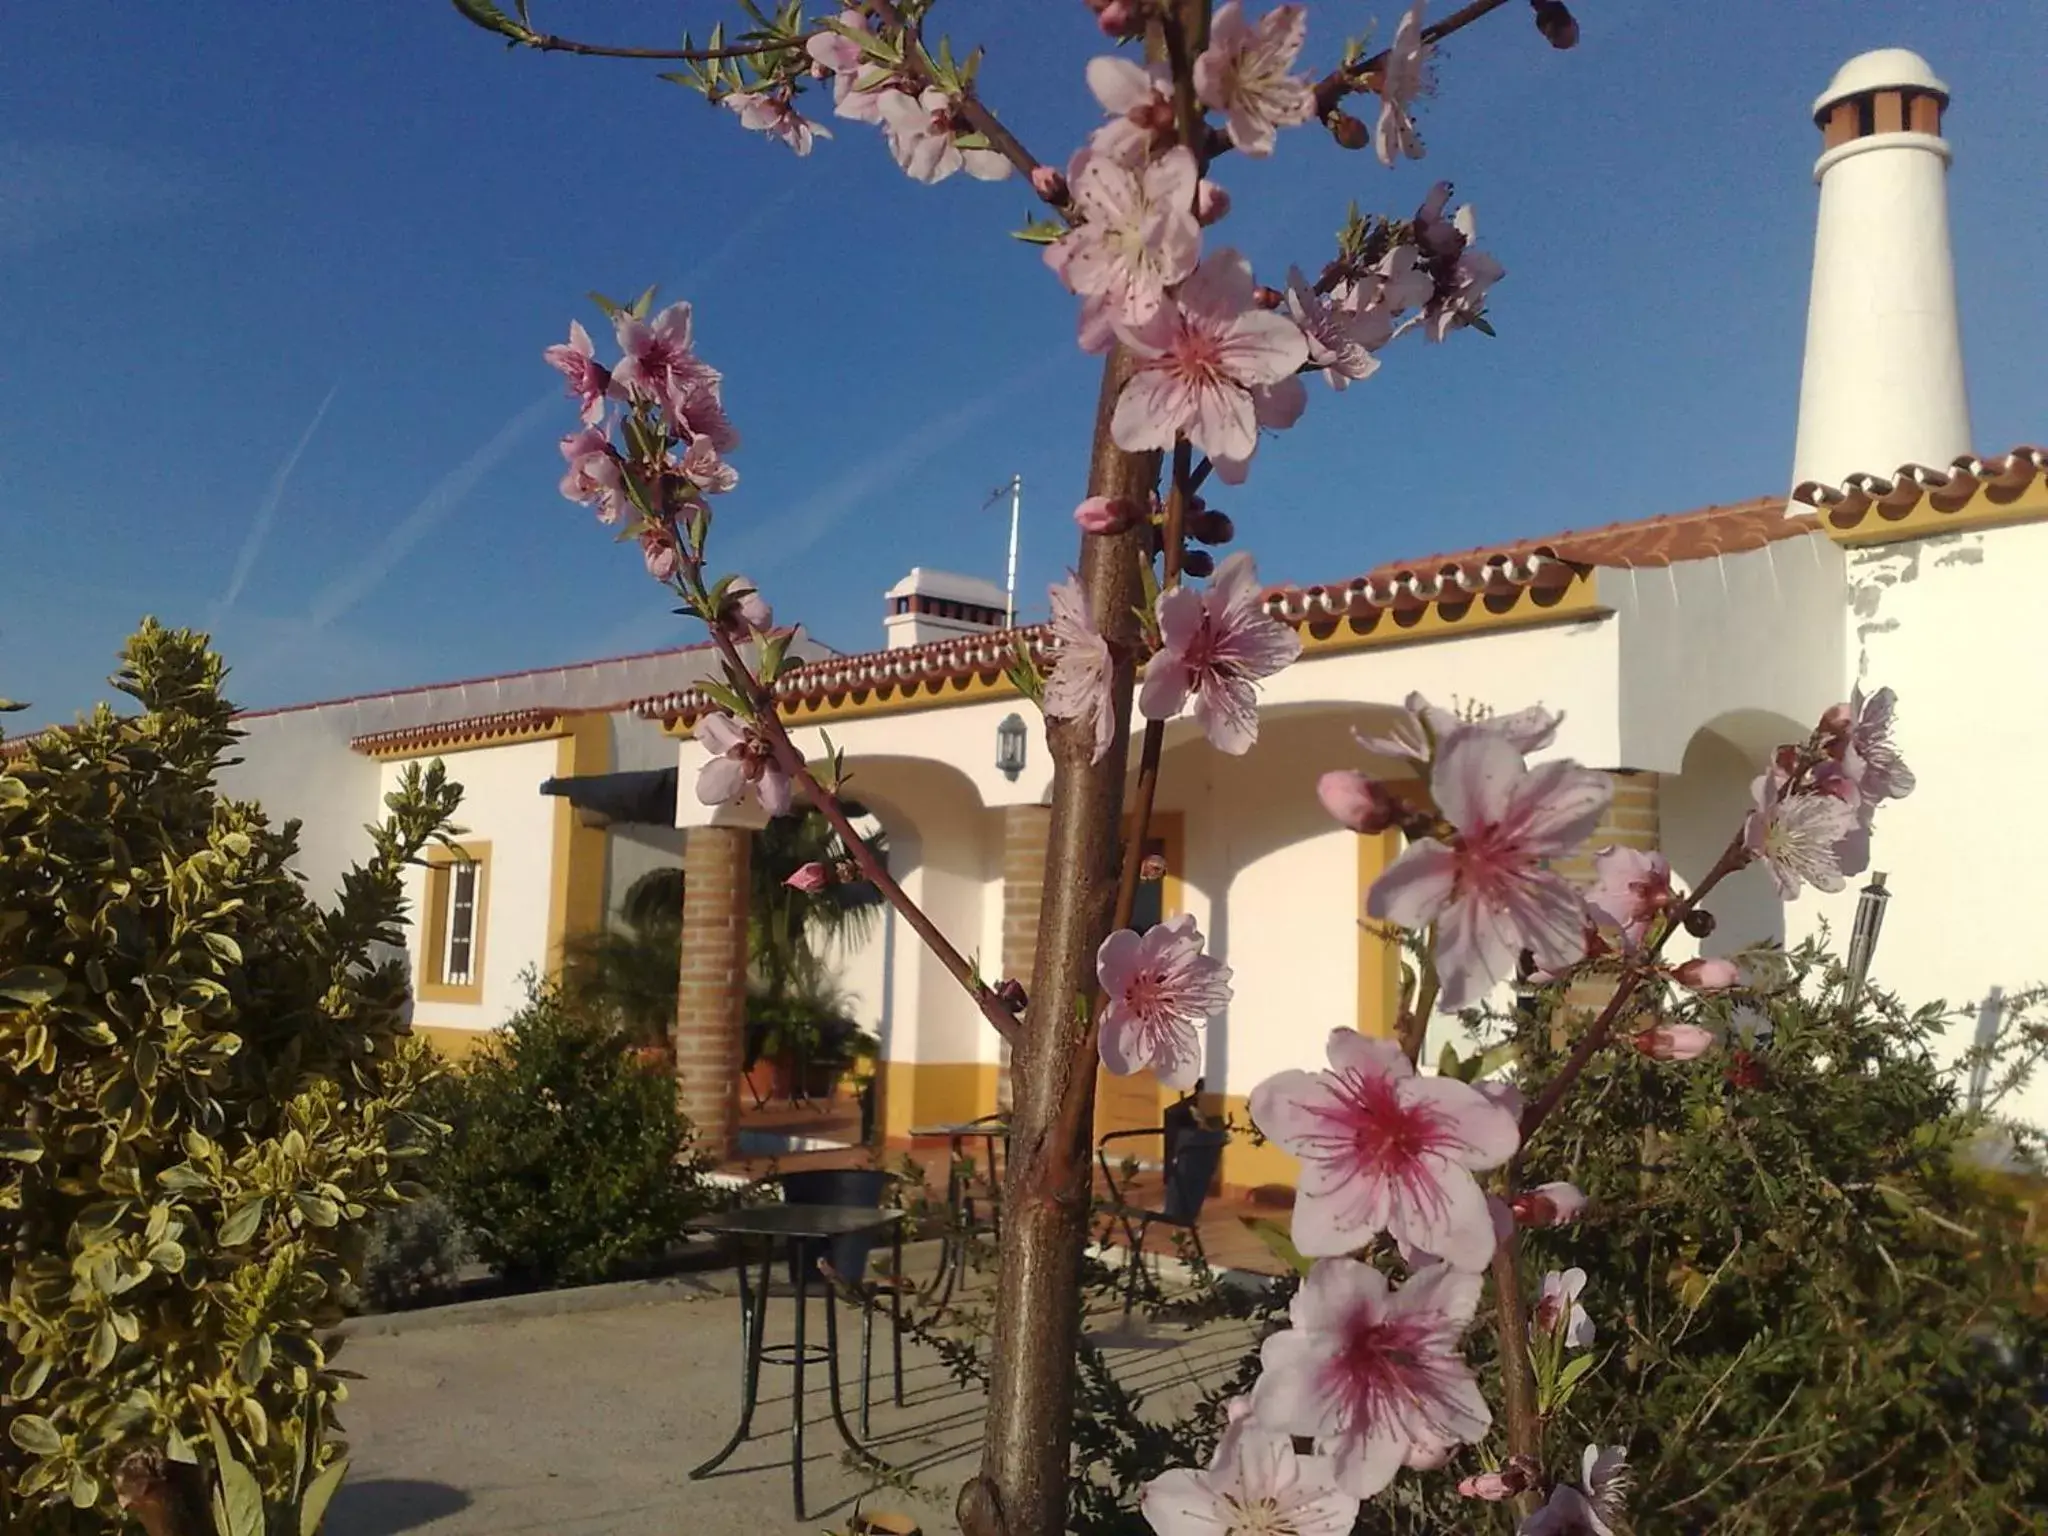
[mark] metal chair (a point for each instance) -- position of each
(1192, 1151)
(844, 1261)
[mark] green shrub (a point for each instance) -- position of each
(568, 1159)
(413, 1256)
(204, 1088)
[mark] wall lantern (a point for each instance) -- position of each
(1010, 739)
(1870, 903)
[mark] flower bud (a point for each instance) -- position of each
(1745, 1070)
(1049, 184)
(1011, 995)
(1556, 22)
(810, 879)
(1699, 922)
(1549, 1205)
(1268, 298)
(1709, 975)
(1117, 19)
(1211, 202)
(1207, 527)
(1197, 563)
(1356, 801)
(1493, 1486)
(745, 610)
(1104, 514)
(1837, 720)
(1674, 1042)
(1347, 130)
(1152, 867)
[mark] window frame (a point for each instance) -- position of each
(437, 930)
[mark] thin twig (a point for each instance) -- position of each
(547, 42)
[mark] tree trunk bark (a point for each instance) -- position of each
(1021, 1489)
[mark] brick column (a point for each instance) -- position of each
(1631, 822)
(711, 997)
(1024, 833)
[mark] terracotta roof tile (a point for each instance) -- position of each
(476, 730)
(1875, 499)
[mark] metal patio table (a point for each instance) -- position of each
(955, 1246)
(785, 1231)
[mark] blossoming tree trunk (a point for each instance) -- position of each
(1022, 1485)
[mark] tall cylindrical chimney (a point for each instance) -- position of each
(1883, 379)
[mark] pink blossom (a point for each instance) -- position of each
(1276, 407)
(1243, 73)
(1460, 276)
(745, 611)
(1401, 81)
(1140, 236)
(1139, 99)
(1374, 1373)
(1630, 887)
(840, 53)
(1216, 644)
(1557, 1305)
(1570, 1512)
(1357, 801)
(1212, 203)
(1674, 1042)
(1497, 1211)
(1340, 341)
(589, 380)
(1404, 285)
(1799, 839)
(1261, 1487)
(1708, 974)
(1080, 687)
(1160, 987)
(1869, 754)
(1493, 1486)
(594, 477)
(658, 551)
(659, 366)
(1199, 359)
(1104, 514)
(703, 468)
(741, 763)
(1549, 1205)
(1417, 729)
(924, 139)
(1489, 892)
(1384, 1149)
(771, 113)
(811, 878)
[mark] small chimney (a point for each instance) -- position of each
(939, 605)
(1883, 378)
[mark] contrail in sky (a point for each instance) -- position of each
(449, 492)
(266, 510)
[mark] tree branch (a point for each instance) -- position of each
(487, 16)
(793, 763)
(1517, 1380)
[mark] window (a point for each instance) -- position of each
(453, 926)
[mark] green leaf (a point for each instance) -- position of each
(253, 1360)
(9, 707)
(242, 1222)
(319, 1493)
(33, 983)
(238, 1498)
(182, 1177)
(84, 1489)
(224, 945)
(36, 1435)
(20, 1146)
(491, 19)
(29, 1378)
(318, 1210)
(1039, 231)
(1277, 1241)
(99, 1354)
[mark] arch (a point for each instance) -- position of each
(1703, 805)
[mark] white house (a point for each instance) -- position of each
(1680, 648)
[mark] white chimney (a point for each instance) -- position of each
(1883, 380)
(939, 605)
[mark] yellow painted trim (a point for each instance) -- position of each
(441, 861)
(473, 740)
(1985, 508)
(1522, 608)
(1379, 958)
(456, 1045)
(576, 865)
(1246, 1165)
(914, 1093)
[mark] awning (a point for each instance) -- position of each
(646, 798)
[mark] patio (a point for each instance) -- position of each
(524, 1417)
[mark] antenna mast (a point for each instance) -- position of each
(1010, 574)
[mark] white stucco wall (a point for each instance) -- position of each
(501, 805)
(1753, 634)
(297, 763)
(1952, 624)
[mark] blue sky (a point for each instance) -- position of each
(275, 292)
